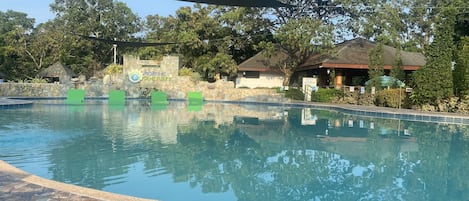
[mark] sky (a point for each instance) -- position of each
(40, 10)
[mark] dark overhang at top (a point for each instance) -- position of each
(243, 3)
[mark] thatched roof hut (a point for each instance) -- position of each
(57, 73)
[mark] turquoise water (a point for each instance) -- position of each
(237, 152)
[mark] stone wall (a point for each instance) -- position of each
(176, 88)
(33, 89)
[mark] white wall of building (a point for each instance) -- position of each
(265, 80)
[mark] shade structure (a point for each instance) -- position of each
(388, 81)
(243, 3)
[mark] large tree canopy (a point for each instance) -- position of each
(98, 18)
(13, 28)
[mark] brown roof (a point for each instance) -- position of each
(57, 70)
(260, 62)
(355, 54)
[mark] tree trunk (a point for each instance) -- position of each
(287, 77)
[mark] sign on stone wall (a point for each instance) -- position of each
(149, 71)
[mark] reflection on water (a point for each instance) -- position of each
(233, 152)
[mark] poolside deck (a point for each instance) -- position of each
(17, 185)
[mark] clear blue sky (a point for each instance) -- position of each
(40, 10)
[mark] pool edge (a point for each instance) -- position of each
(23, 185)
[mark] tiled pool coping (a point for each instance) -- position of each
(16, 184)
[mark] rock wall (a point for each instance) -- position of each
(176, 88)
(33, 89)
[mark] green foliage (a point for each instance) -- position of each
(296, 40)
(102, 19)
(397, 71)
(390, 98)
(279, 90)
(185, 72)
(376, 66)
(14, 27)
(211, 66)
(434, 81)
(194, 76)
(114, 69)
(38, 80)
(325, 95)
(295, 94)
(461, 70)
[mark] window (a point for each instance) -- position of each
(150, 66)
(251, 74)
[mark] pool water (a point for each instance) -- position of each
(237, 152)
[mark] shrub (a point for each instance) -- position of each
(185, 72)
(114, 69)
(279, 90)
(325, 95)
(390, 98)
(38, 80)
(295, 94)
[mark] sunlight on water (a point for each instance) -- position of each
(237, 152)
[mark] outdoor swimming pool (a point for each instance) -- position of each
(237, 152)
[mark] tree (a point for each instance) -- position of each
(421, 19)
(209, 37)
(461, 70)
(99, 18)
(338, 14)
(14, 27)
(299, 39)
(376, 66)
(434, 81)
(212, 66)
(382, 21)
(397, 71)
(249, 27)
(193, 30)
(43, 45)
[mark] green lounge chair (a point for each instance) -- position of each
(158, 98)
(75, 97)
(196, 100)
(116, 97)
